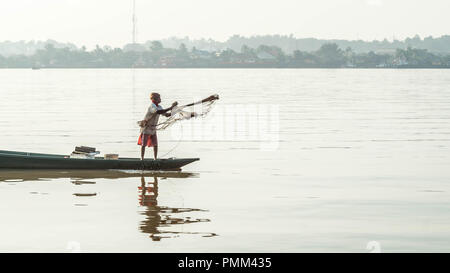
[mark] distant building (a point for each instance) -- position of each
(166, 61)
(201, 54)
(265, 56)
(400, 62)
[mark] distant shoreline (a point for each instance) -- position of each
(328, 56)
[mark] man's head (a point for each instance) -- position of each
(155, 97)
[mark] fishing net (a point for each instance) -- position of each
(178, 113)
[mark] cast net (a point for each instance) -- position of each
(194, 110)
(185, 112)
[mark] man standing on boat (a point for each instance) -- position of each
(148, 125)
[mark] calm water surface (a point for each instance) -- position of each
(362, 157)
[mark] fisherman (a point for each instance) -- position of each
(148, 125)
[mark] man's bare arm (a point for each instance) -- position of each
(163, 111)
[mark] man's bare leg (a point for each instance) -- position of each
(142, 152)
(155, 151)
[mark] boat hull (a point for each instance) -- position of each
(21, 160)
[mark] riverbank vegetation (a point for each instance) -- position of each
(329, 55)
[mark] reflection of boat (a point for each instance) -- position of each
(30, 175)
(161, 216)
(23, 160)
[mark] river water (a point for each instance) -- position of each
(317, 160)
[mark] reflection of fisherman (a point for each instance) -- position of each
(157, 216)
(148, 198)
(149, 195)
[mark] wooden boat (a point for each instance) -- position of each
(24, 160)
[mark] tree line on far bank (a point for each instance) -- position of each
(156, 56)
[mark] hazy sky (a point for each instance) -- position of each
(90, 22)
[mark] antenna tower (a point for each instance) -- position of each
(134, 22)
